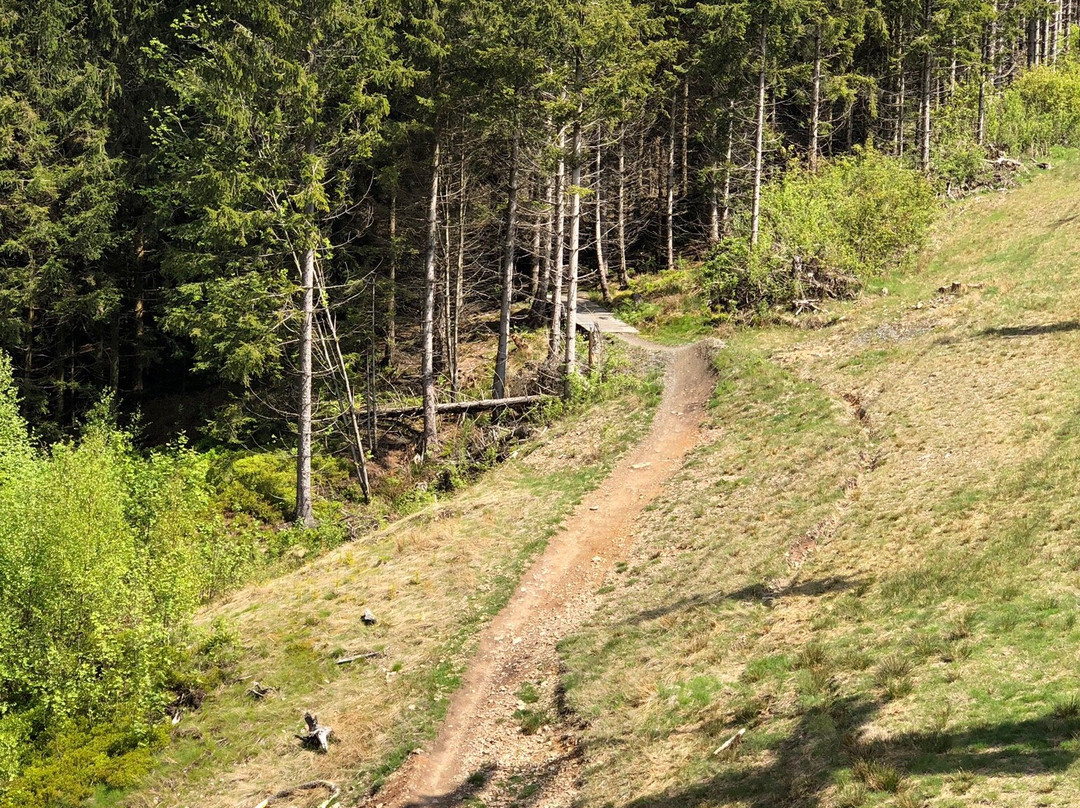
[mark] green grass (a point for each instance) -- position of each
(887, 603)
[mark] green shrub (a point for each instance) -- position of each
(262, 485)
(823, 234)
(1041, 109)
(68, 770)
(959, 161)
(102, 561)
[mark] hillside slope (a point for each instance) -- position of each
(432, 580)
(874, 564)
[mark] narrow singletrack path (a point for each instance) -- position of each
(482, 749)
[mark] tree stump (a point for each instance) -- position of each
(317, 737)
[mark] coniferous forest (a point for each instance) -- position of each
(242, 226)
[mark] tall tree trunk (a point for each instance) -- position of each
(547, 225)
(459, 285)
(685, 135)
(714, 195)
(555, 336)
(624, 274)
(669, 210)
(759, 141)
(427, 324)
(304, 515)
(498, 386)
(725, 209)
(815, 101)
(575, 250)
(536, 257)
(391, 300)
(927, 90)
(901, 103)
(601, 264)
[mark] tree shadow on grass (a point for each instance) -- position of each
(754, 592)
(806, 762)
(1012, 332)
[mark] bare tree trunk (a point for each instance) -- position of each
(601, 264)
(624, 274)
(547, 226)
(427, 324)
(498, 386)
(345, 392)
(391, 302)
(927, 93)
(815, 103)
(759, 143)
(443, 351)
(714, 196)
(575, 250)
(669, 211)
(953, 68)
(536, 257)
(304, 515)
(555, 337)
(1059, 13)
(901, 104)
(685, 184)
(725, 210)
(459, 286)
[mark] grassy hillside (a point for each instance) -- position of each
(432, 580)
(873, 565)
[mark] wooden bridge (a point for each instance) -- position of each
(592, 315)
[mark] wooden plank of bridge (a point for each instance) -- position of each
(591, 314)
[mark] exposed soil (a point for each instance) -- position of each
(506, 736)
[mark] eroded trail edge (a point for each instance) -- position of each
(487, 746)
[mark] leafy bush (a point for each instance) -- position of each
(99, 567)
(104, 554)
(65, 774)
(959, 161)
(1041, 109)
(823, 234)
(260, 485)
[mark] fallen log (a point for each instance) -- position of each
(345, 660)
(464, 407)
(731, 742)
(292, 791)
(258, 691)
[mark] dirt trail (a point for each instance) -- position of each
(482, 750)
